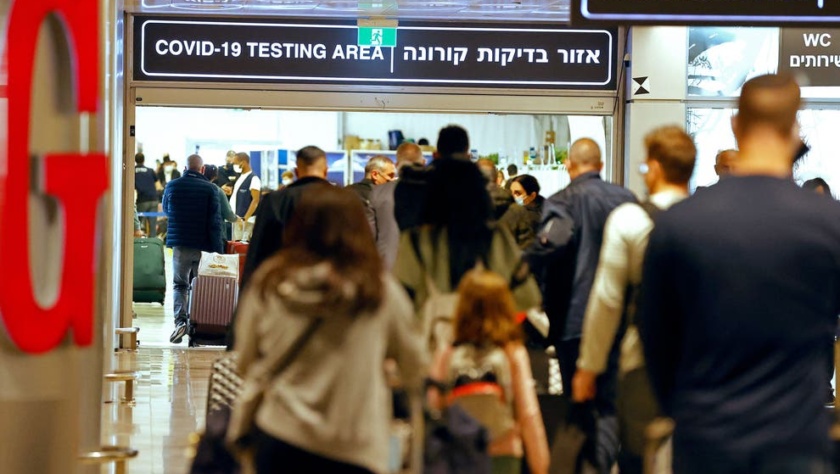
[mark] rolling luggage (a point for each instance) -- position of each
(240, 248)
(212, 303)
(149, 271)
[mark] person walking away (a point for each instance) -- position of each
(458, 234)
(502, 199)
(488, 350)
(667, 170)
(145, 180)
(410, 194)
(278, 207)
(327, 281)
(381, 212)
(245, 197)
(740, 292)
(191, 204)
(564, 258)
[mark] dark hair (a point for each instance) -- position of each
(674, 150)
(139, 159)
(528, 183)
(328, 225)
(453, 139)
(485, 312)
(244, 157)
(457, 200)
(423, 142)
(817, 183)
(211, 172)
(309, 155)
(512, 170)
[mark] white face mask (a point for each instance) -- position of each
(237, 168)
(519, 200)
(287, 182)
(168, 168)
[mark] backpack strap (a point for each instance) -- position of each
(631, 298)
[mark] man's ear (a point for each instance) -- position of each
(734, 122)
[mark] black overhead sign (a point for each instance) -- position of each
(705, 12)
(811, 55)
(247, 51)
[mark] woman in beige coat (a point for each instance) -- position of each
(329, 409)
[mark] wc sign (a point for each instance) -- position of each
(32, 326)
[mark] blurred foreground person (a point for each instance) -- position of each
(740, 292)
(325, 299)
(488, 357)
(667, 170)
(456, 235)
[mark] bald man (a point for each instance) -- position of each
(191, 204)
(724, 161)
(564, 258)
(739, 301)
(380, 210)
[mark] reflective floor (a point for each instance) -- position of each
(169, 406)
(170, 394)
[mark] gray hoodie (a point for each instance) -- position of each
(332, 400)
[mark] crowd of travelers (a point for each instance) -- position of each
(716, 310)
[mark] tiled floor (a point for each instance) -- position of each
(170, 399)
(170, 394)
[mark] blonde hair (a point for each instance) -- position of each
(485, 313)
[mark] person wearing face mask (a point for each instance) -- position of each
(245, 196)
(227, 175)
(378, 170)
(287, 178)
(523, 220)
(168, 171)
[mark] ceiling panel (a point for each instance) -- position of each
(553, 11)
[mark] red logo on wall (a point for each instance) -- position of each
(30, 326)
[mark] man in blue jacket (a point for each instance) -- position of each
(191, 204)
(740, 293)
(564, 258)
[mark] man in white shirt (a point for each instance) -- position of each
(667, 170)
(245, 197)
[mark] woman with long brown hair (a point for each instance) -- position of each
(487, 371)
(327, 410)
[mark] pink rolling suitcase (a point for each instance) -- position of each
(212, 303)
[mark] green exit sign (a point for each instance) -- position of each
(377, 36)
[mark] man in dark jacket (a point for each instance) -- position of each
(277, 207)
(380, 211)
(410, 193)
(740, 293)
(378, 171)
(191, 204)
(502, 198)
(227, 175)
(145, 180)
(564, 258)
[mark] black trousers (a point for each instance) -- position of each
(274, 456)
(606, 437)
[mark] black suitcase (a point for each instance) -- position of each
(149, 271)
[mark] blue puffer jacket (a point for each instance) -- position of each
(191, 204)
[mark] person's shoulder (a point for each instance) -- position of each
(395, 293)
